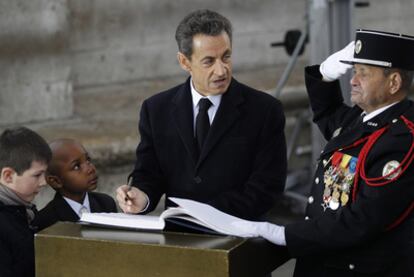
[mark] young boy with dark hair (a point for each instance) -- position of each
(24, 156)
(73, 175)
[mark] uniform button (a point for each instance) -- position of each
(197, 179)
(351, 266)
(310, 199)
(306, 217)
(322, 152)
(394, 120)
(316, 180)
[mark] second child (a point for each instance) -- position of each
(24, 156)
(73, 175)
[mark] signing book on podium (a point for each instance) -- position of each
(189, 214)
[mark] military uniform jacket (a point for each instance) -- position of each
(355, 239)
(59, 210)
(16, 242)
(242, 165)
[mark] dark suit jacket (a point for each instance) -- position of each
(242, 166)
(354, 240)
(59, 210)
(16, 242)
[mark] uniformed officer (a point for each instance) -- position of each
(359, 219)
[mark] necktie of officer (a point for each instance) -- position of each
(359, 120)
(202, 122)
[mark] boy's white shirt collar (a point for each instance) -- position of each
(76, 207)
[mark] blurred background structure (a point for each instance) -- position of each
(81, 69)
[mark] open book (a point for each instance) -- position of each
(190, 213)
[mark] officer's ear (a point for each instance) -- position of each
(184, 62)
(395, 82)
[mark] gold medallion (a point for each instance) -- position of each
(344, 198)
(335, 195)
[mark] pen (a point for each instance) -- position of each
(129, 185)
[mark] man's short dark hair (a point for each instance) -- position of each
(20, 146)
(204, 22)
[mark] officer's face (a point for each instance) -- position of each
(370, 88)
(210, 65)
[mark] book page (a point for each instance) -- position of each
(123, 235)
(124, 220)
(178, 212)
(211, 217)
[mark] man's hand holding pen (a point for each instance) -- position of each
(131, 199)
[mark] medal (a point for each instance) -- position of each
(328, 180)
(345, 161)
(352, 165)
(327, 192)
(338, 179)
(336, 194)
(333, 204)
(344, 198)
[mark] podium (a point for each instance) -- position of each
(70, 249)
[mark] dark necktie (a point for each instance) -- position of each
(202, 122)
(359, 120)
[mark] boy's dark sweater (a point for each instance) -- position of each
(16, 242)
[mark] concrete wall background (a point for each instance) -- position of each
(49, 48)
(392, 16)
(129, 40)
(35, 81)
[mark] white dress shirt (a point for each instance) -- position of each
(371, 115)
(77, 207)
(196, 96)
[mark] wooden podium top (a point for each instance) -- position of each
(70, 249)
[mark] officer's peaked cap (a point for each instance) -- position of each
(383, 49)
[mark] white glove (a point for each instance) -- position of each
(331, 69)
(271, 232)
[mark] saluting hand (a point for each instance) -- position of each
(332, 68)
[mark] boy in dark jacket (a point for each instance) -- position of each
(73, 175)
(24, 157)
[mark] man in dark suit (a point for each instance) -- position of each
(359, 219)
(210, 139)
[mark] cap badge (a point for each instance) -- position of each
(389, 168)
(358, 46)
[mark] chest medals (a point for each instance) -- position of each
(338, 179)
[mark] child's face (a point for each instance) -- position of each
(76, 170)
(27, 185)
